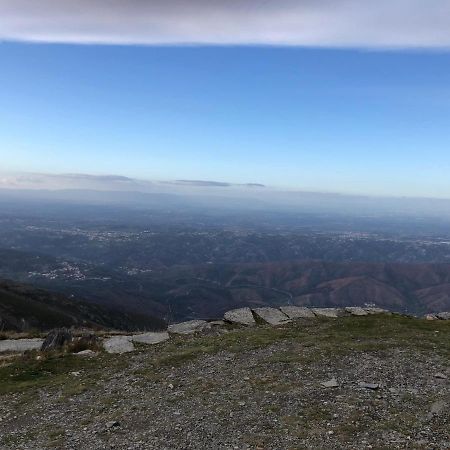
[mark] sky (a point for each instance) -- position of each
(330, 96)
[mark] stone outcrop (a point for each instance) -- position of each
(328, 312)
(151, 338)
(443, 315)
(20, 345)
(271, 316)
(356, 311)
(57, 339)
(118, 344)
(376, 310)
(297, 312)
(189, 327)
(241, 316)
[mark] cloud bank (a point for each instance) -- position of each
(111, 183)
(318, 23)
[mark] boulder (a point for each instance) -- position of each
(443, 315)
(150, 338)
(272, 316)
(20, 345)
(356, 311)
(56, 339)
(297, 312)
(241, 316)
(118, 344)
(189, 327)
(328, 312)
(430, 317)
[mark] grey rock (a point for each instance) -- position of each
(328, 312)
(437, 407)
(151, 338)
(56, 339)
(241, 316)
(443, 315)
(333, 383)
(440, 375)
(376, 310)
(20, 345)
(189, 327)
(272, 316)
(86, 353)
(112, 424)
(356, 311)
(217, 323)
(372, 386)
(297, 312)
(118, 344)
(430, 317)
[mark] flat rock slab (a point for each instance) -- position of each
(20, 345)
(443, 315)
(118, 344)
(297, 312)
(151, 338)
(356, 311)
(328, 312)
(272, 316)
(189, 327)
(241, 316)
(376, 310)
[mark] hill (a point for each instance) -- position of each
(24, 307)
(378, 381)
(187, 292)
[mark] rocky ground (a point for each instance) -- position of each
(380, 382)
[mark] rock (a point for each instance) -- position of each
(56, 339)
(297, 312)
(151, 338)
(436, 408)
(328, 312)
(75, 374)
(333, 383)
(189, 327)
(217, 323)
(272, 316)
(430, 317)
(118, 344)
(112, 424)
(241, 316)
(356, 311)
(440, 375)
(376, 310)
(372, 386)
(87, 353)
(443, 315)
(20, 345)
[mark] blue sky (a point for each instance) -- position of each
(335, 120)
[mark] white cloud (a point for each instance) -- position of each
(323, 23)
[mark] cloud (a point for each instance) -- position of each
(107, 182)
(319, 23)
